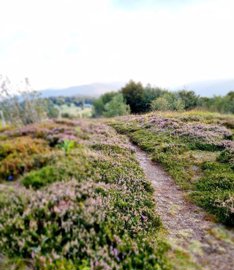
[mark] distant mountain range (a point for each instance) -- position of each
(210, 88)
(90, 90)
(204, 88)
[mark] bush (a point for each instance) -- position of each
(62, 170)
(21, 155)
(160, 104)
(219, 203)
(42, 177)
(227, 156)
(214, 181)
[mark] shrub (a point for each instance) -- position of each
(219, 203)
(160, 104)
(42, 177)
(63, 169)
(71, 221)
(227, 156)
(21, 155)
(214, 181)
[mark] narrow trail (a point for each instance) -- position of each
(189, 228)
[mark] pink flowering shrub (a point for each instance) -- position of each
(90, 209)
(172, 138)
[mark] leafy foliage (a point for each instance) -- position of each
(99, 104)
(67, 146)
(116, 107)
(160, 104)
(134, 95)
(218, 103)
(111, 104)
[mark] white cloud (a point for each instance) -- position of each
(60, 43)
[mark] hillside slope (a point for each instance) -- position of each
(74, 197)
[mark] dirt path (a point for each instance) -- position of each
(211, 245)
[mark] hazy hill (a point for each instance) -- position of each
(210, 88)
(94, 89)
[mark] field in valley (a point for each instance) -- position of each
(78, 194)
(73, 111)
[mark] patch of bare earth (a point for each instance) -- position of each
(211, 246)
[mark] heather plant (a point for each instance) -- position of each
(197, 151)
(56, 216)
(21, 155)
(42, 177)
(90, 209)
(62, 169)
(227, 156)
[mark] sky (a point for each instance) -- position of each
(60, 43)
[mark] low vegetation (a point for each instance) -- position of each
(87, 205)
(196, 149)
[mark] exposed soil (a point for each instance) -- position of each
(189, 228)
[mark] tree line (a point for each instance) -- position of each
(78, 101)
(25, 106)
(136, 98)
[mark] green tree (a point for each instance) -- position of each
(52, 111)
(99, 104)
(149, 94)
(133, 93)
(189, 98)
(98, 107)
(230, 102)
(179, 105)
(116, 107)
